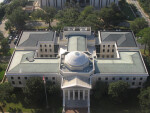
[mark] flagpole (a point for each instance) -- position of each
(45, 92)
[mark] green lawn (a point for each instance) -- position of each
(2, 72)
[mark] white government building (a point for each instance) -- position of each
(61, 3)
(76, 59)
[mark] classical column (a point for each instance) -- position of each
(73, 95)
(83, 94)
(63, 97)
(78, 94)
(68, 94)
(88, 101)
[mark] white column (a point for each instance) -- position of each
(83, 94)
(68, 94)
(63, 97)
(88, 101)
(73, 95)
(78, 94)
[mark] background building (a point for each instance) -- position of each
(76, 59)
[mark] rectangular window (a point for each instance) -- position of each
(103, 50)
(113, 78)
(141, 78)
(106, 78)
(46, 78)
(113, 45)
(13, 82)
(40, 45)
(20, 82)
(103, 56)
(41, 55)
(112, 56)
(50, 50)
(25, 78)
(45, 45)
(140, 83)
(103, 45)
(112, 50)
(53, 78)
(108, 45)
(134, 78)
(99, 78)
(107, 56)
(50, 55)
(120, 78)
(53, 82)
(18, 77)
(107, 50)
(12, 77)
(46, 55)
(127, 78)
(41, 50)
(45, 50)
(133, 83)
(49, 45)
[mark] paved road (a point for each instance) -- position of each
(141, 11)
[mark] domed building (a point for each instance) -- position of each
(76, 60)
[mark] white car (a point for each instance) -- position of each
(10, 38)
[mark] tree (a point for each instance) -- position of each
(18, 18)
(145, 34)
(6, 91)
(144, 100)
(68, 17)
(118, 90)
(37, 14)
(49, 14)
(34, 91)
(138, 24)
(100, 89)
(4, 46)
(8, 26)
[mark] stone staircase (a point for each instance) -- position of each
(76, 104)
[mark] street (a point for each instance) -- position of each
(141, 11)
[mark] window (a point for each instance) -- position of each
(50, 50)
(50, 55)
(12, 77)
(53, 82)
(99, 78)
(46, 55)
(41, 55)
(45, 50)
(140, 83)
(103, 56)
(134, 78)
(113, 78)
(141, 78)
(103, 45)
(40, 45)
(53, 78)
(106, 78)
(49, 45)
(41, 50)
(113, 45)
(108, 45)
(18, 77)
(112, 56)
(127, 78)
(20, 82)
(103, 50)
(107, 56)
(133, 83)
(107, 50)
(46, 78)
(13, 82)
(25, 78)
(120, 78)
(45, 45)
(112, 50)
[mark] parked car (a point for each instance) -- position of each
(15, 42)
(10, 37)
(9, 41)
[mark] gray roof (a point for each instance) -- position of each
(128, 63)
(122, 39)
(30, 39)
(77, 43)
(23, 62)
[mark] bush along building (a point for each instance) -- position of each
(76, 60)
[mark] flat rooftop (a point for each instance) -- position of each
(23, 62)
(128, 63)
(31, 39)
(122, 39)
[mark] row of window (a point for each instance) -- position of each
(108, 50)
(47, 55)
(107, 56)
(13, 82)
(46, 78)
(108, 46)
(50, 50)
(45, 45)
(120, 78)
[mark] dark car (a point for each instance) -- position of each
(15, 42)
(9, 41)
